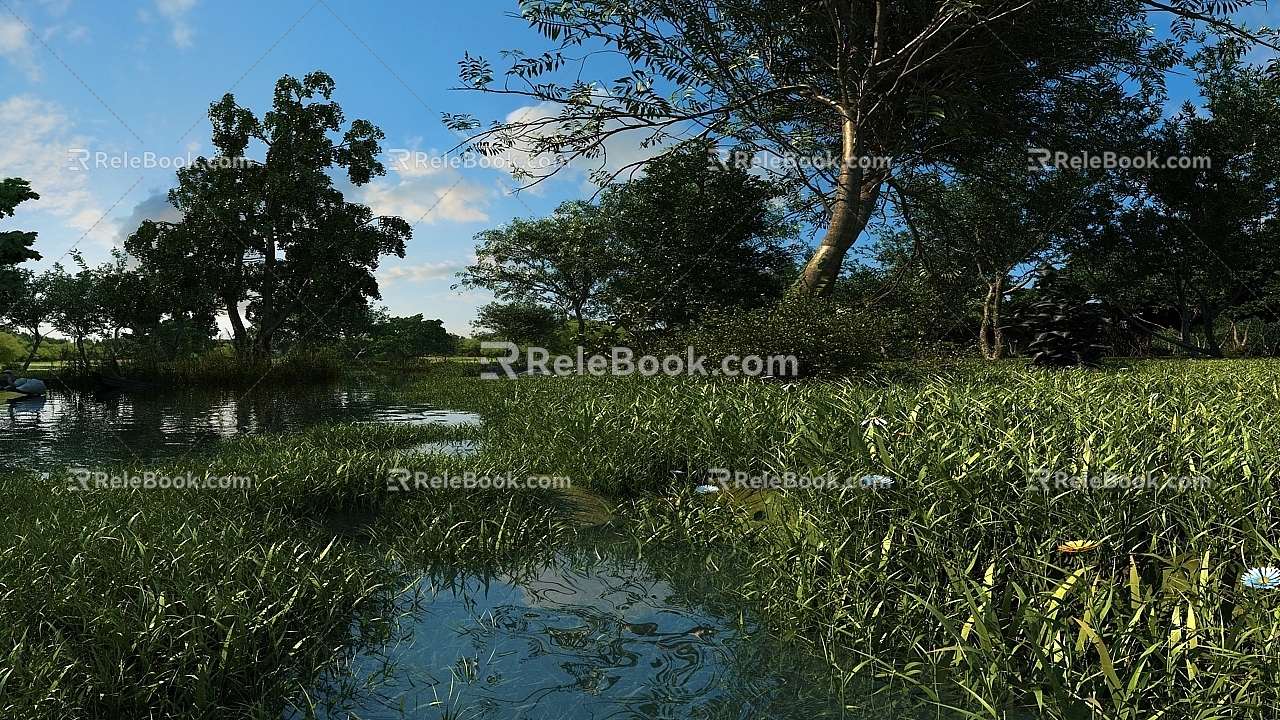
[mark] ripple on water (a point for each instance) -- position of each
(593, 638)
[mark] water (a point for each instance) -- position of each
(590, 634)
(71, 428)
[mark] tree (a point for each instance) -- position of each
(30, 310)
(277, 234)
(562, 260)
(1203, 241)
(15, 245)
(924, 82)
(691, 239)
(1000, 223)
(520, 322)
(410, 337)
(75, 305)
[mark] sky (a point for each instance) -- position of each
(119, 80)
(116, 80)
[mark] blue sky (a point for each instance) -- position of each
(138, 77)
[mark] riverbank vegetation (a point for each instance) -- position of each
(962, 579)
(952, 581)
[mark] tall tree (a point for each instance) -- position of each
(693, 239)
(29, 312)
(277, 235)
(1204, 240)
(75, 304)
(562, 260)
(924, 82)
(999, 223)
(15, 245)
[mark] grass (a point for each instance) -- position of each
(950, 581)
(948, 585)
(225, 603)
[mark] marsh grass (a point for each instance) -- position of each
(944, 593)
(225, 603)
(950, 582)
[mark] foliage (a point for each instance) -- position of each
(932, 83)
(561, 260)
(15, 245)
(826, 336)
(1189, 246)
(522, 323)
(11, 349)
(997, 224)
(691, 239)
(75, 306)
(276, 234)
(28, 309)
(1063, 333)
(410, 337)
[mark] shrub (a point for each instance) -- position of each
(1064, 332)
(11, 349)
(826, 336)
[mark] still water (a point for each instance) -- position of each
(70, 428)
(591, 634)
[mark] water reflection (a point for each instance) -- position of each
(585, 636)
(71, 428)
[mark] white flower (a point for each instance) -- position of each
(706, 489)
(1263, 578)
(876, 481)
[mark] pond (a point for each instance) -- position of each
(594, 632)
(66, 428)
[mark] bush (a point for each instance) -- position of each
(826, 336)
(1063, 328)
(11, 349)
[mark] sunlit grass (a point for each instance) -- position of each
(951, 579)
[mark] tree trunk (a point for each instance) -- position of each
(991, 337)
(267, 294)
(240, 337)
(1208, 315)
(35, 347)
(856, 195)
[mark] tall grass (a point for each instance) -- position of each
(951, 581)
(225, 603)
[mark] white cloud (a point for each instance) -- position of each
(15, 44)
(176, 11)
(155, 207)
(420, 193)
(418, 273)
(34, 146)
